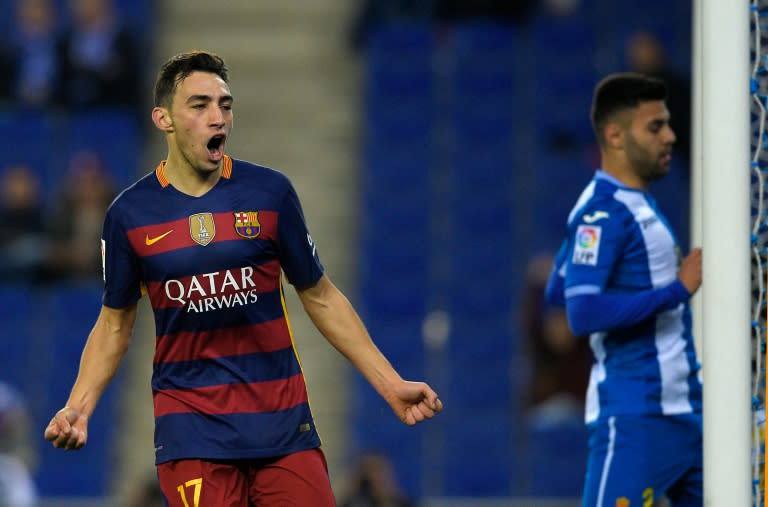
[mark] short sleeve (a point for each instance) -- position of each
(297, 250)
(122, 274)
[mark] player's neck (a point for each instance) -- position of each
(620, 168)
(189, 180)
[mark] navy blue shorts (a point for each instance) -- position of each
(634, 460)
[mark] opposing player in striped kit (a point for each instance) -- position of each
(621, 277)
(208, 238)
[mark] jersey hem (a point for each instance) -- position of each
(240, 454)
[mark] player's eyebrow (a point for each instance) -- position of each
(208, 98)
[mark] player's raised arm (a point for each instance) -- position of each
(337, 320)
(102, 355)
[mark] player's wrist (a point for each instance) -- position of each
(680, 292)
(78, 412)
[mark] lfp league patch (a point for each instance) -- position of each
(587, 245)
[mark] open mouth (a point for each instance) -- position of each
(216, 146)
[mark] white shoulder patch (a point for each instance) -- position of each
(587, 246)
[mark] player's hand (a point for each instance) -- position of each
(68, 429)
(414, 402)
(690, 271)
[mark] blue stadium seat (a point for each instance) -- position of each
(19, 315)
(383, 219)
(490, 123)
(378, 429)
(394, 276)
(395, 205)
(114, 135)
(139, 15)
(481, 78)
(482, 225)
(565, 35)
(558, 456)
(42, 337)
(478, 454)
(395, 297)
(481, 256)
(480, 384)
(388, 225)
(400, 173)
(7, 20)
(398, 67)
(375, 426)
(481, 334)
(403, 79)
(72, 311)
(33, 138)
(566, 173)
(397, 118)
(401, 39)
(481, 38)
(566, 73)
(487, 62)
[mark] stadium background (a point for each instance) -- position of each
(434, 159)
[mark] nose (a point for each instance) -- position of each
(669, 135)
(216, 117)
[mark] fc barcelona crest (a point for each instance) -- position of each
(247, 224)
(202, 228)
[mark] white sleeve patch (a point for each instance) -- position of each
(587, 246)
(104, 260)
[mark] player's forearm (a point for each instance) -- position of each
(349, 336)
(339, 323)
(101, 357)
(590, 313)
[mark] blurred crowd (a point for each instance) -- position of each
(61, 58)
(57, 241)
(75, 56)
(58, 59)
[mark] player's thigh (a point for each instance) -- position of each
(687, 490)
(198, 483)
(295, 480)
(619, 468)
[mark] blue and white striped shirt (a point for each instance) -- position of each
(616, 272)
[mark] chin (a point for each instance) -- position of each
(658, 174)
(208, 167)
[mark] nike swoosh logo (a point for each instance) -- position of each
(594, 217)
(151, 241)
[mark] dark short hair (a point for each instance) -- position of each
(622, 91)
(178, 67)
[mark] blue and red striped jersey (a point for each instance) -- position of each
(227, 382)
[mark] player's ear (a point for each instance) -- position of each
(614, 135)
(162, 119)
